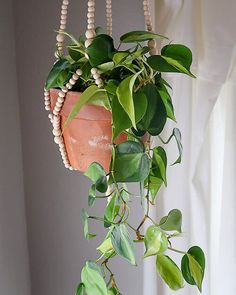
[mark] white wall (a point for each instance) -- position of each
(14, 272)
(54, 197)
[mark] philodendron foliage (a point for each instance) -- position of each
(140, 103)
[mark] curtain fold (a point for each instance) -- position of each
(203, 186)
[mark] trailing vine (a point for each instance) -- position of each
(131, 86)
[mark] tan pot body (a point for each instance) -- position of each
(88, 137)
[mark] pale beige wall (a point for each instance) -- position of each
(14, 271)
(54, 197)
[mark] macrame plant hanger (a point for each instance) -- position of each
(54, 115)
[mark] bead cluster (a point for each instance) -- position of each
(148, 22)
(60, 36)
(55, 117)
(109, 16)
(90, 33)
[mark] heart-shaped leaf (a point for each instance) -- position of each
(93, 281)
(101, 50)
(193, 266)
(131, 163)
(174, 58)
(123, 243)
(121, 120)
(80, 289)
(93, 95)
(110, 211)
(169, 272)
(155, 241)
(125, 96)
(173, 221)
(139, 36)
(85, 217)
(97, 174)
(59, 74)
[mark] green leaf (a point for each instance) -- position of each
(100, 31)
(125, 96)
(97, 175)
(169, 272)
(159, 163)
(173, 221)
(193, 266)
(139, 36)
(85, 217)
(101, 50)
(119, 57)
(177, 135)
(155, 117)
(155, 184)
(167, 102)
(123, 243)
(130, 164)
(92, 95)
(106, 248)
(93, 281)
(112, 291)
(59, 74)
(92, 195)
(108, 66)
(155, 241)
(121, 120)
(75, 52)
(174, 58)
(80, 289)
(110, 211)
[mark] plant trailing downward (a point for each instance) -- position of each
(133, 89)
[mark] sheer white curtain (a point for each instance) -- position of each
(203, 186)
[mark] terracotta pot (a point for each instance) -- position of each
(88, 137)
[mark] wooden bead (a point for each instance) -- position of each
(61, 94)
(71, 168)
(56, 127)
(63, 17)
(72, 81)
(64, 6)
(152, 43)
(68, 86)
(91, 9)
(47, 103)
(46, 93)
(50, 116)
(57, 109)
(63, 21)
(91, 3)
(96, 76)
(56, 132)
(90, 15)
(47, 108)
(55, 112)
(153, 51)
(91, 26)
(91, 21)
(67, 165)
(93, 71)
(64, 12)
(88, 42)
(75, 76)
(79, 72)
(65, 2)
(145, 2)
(47, 98)
(90, 34)
(60, 99)
(98, 81)
(64, 89)
(58, 139)
(62, 27)
(58, 104)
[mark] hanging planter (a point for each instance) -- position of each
(106, 103)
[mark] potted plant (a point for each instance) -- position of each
(106, 103)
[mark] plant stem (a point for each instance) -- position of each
(177, 251)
